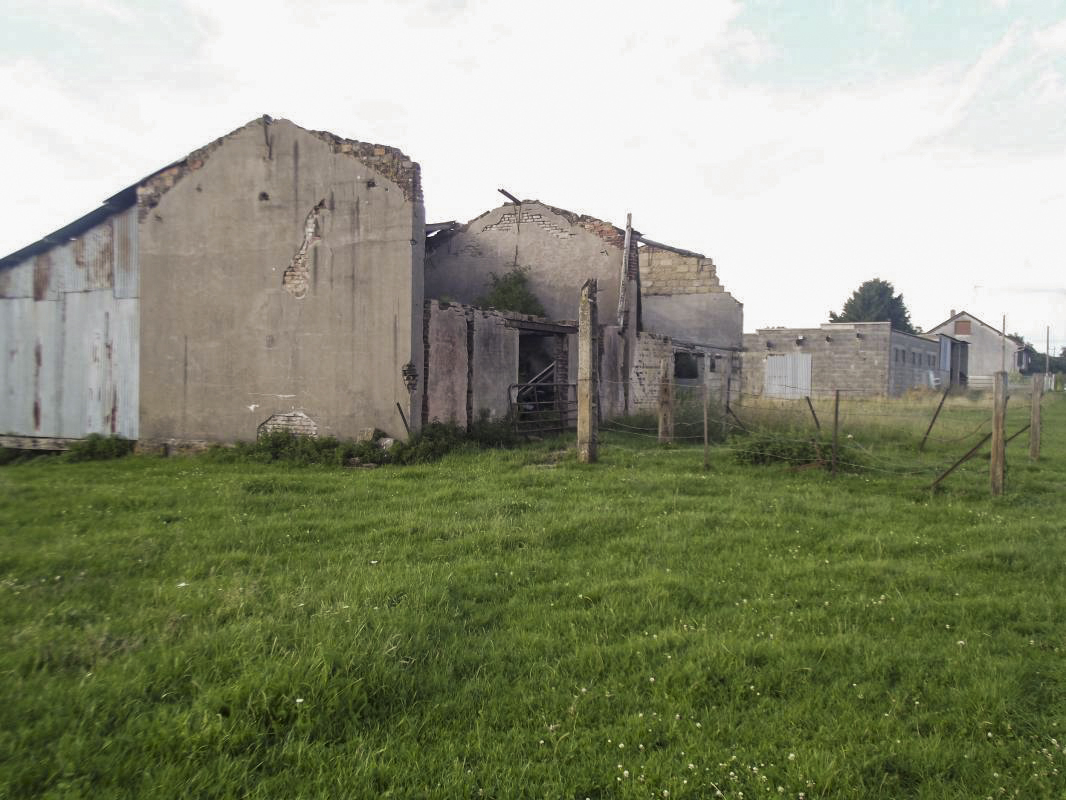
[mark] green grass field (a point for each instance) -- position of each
(514, 624)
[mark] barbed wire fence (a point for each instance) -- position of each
(923, 437)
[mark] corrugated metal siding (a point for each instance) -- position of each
(17, 281)
(788, 375)
(69, 336)
(127, 272)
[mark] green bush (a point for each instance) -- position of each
(511, 292)
(96, 447)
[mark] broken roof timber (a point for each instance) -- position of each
(671, 248)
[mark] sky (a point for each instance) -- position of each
(805, 146)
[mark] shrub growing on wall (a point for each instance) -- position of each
(511, 292)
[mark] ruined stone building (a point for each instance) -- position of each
(655, 302)
(283, 278)
(270, 279)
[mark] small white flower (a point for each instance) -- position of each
(299, 700)
(791, 756)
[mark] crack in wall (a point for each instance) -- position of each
(297, 276)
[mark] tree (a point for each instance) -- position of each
(511, 292)
(874, 301)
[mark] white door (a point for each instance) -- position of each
(788, 375)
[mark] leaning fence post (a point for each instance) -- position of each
(936, 414)
(666, 403)
(998, 464)
(1034, 418)
(587, 434)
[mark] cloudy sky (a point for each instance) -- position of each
(805, 146)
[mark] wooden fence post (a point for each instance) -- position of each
(666, 402)
(998, 462)
(706, 436)
(1034, 418)
(587, 350)
(836, 426)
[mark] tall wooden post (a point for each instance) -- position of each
(587, 352)
(1034, 418)
(706, 433)
(998, 466)
(836, 427)
(666, 402)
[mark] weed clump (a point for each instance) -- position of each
(431, 443)
(772, 448)
(796, 449)
(96, 447)
(287, 447)
(435, 440)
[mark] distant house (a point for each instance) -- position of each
(987, 347)
(864, 358)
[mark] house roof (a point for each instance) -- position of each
(389, 161)
(1016, 339)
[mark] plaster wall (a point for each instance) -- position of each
(495, 365)
(226, 341)
(709, 318)
(985, 349)
(447, 376)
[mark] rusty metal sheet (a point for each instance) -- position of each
(71, 366)
(17, 281)
(127, 269)
(29, 334)
(86, 262)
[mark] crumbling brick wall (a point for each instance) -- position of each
(672, 272)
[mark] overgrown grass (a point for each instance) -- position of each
(511, 623)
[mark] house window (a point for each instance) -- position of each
(685, 366)
(962, 327)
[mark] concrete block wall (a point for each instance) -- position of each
(644, 379)
(852, 356)
(682, 297)
(914, 363)
(669, 272)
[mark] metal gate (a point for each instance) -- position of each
(537, 408)
(788, 375)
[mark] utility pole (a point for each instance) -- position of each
(1003, 345)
